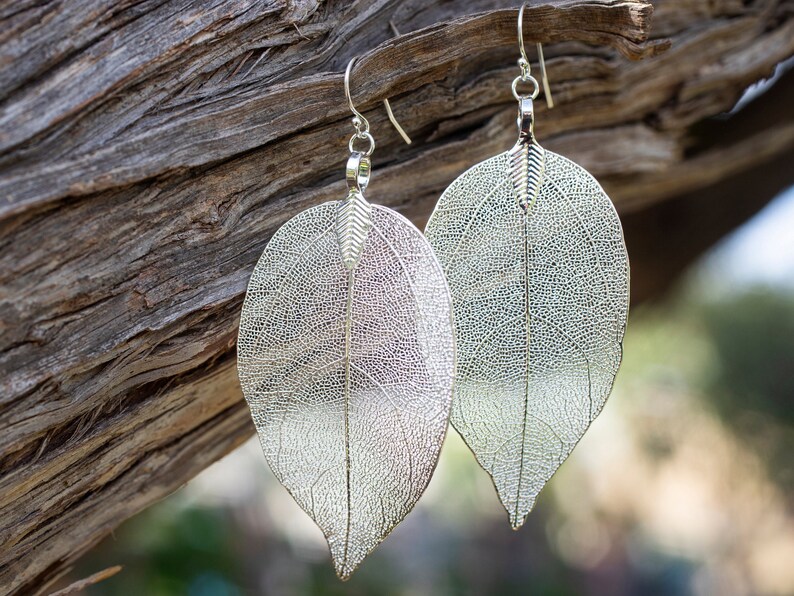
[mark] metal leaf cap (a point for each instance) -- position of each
(527, 161)
(353, 221)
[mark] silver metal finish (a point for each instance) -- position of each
(353, 222)
(540, 297)
(365, 135)
(527, 162)
(544, 77)
(357, 171)
(526, 120)
(346, 357)
(348, 373)
(525, 79)
(535, 259)
(361, 124)
(526, 72)
(394, 122)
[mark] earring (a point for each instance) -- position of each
(346, 359)
(535, 259)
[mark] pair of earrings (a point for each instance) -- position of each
(349, 352)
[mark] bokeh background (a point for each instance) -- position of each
(683, 485)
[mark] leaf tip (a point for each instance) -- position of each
(344, 571)
(518, 514)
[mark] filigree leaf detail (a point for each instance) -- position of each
(527, 160)
(352, 225)
(348, 372)
(540, 297)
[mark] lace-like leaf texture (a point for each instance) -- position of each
(534, 255)
(346, 359)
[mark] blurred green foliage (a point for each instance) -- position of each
(752, 385)
(169, 549)
(753, 335)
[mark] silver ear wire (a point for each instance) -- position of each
(387, 105)
(523, 63)
(394, 122)
(360, 123)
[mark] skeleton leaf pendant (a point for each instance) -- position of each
(534, 256)
(346, 359)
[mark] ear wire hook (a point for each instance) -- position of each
(387, 105)
(360, 122)
(394, 122)
(523, 62)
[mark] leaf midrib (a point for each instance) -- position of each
(526, 367)
(348, 327)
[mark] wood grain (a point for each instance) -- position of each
(149, 149)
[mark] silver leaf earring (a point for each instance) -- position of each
(346, 358)
(535, 259)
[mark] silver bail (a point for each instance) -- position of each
(526, 119)
(357, 171)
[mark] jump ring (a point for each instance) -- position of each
(535, 90)
(363, 135)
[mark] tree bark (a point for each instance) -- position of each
(148, 150)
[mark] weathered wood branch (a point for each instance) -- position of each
(745, 160)
(148, 152)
